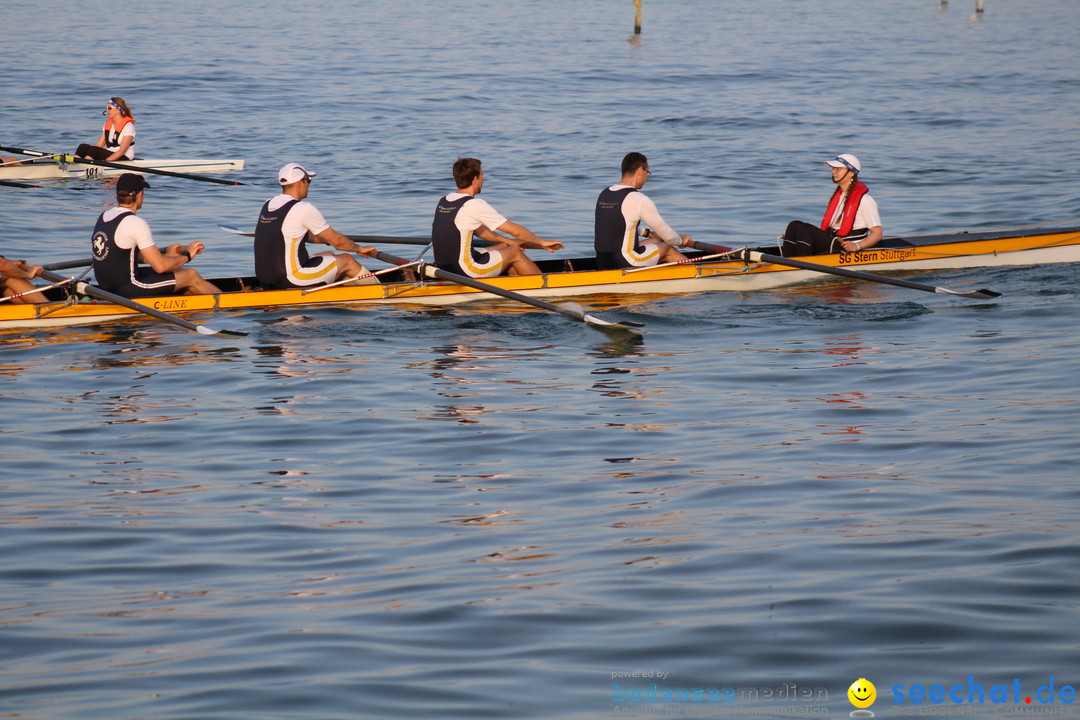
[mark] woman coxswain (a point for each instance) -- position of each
(117, 141)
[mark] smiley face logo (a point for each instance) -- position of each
(862, 693)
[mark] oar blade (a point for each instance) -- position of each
(575, 311)
(628, 325)
(207, 330)
(982, 294)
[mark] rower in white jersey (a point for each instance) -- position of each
(287, 224)
(461, 215)
(620, 210)
(126, 260)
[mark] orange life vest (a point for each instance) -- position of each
(847, 222)
(113, 140)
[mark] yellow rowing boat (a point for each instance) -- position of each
(578, 277)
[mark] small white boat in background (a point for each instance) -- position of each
(57, 169)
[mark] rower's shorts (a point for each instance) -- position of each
(483, 264)
(320, 269)
(147, 284)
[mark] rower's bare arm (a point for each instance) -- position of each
(872, 238)
(485, 233)
(336, 240)
(683, 240)
(19, 269)
(169, 261)
(527, 239)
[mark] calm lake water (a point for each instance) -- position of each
(490, 512)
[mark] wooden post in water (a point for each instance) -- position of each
(978, 5)
(637, 17)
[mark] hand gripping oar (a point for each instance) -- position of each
(122, 166)
(85, 262)
(575, 313)
(96, 292)
(369, 239)
(755, 256)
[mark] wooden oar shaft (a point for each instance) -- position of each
(129, 168)
(96, 292)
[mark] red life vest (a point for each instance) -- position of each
(847, 222)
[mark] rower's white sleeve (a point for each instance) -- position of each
(134, 232)
(477, 212)
(648, 213)
(302, 218)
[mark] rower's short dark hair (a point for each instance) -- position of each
(633, 161)
(465, 171)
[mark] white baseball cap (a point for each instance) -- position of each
(293, 172)
(846, 160)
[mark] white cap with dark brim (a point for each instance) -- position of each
(293, 173)
(846, 160)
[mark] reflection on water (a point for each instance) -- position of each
(623, 344)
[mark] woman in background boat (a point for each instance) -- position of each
(851, 222)
(117, 141)
(15, 277)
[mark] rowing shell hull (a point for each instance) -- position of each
(931, 252)
(48, 170)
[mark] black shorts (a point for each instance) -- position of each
(94, 152)
(147, 284)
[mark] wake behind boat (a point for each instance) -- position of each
(57, 169)
(578, 277)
